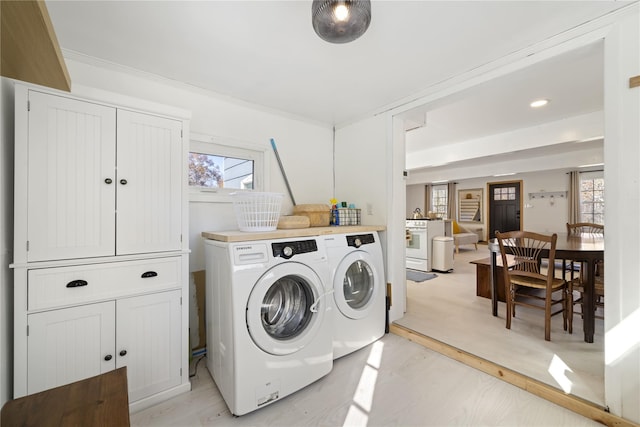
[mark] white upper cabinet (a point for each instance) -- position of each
(149, 184)
(101, 181)
(71, 160)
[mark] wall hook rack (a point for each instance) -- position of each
(548, 195)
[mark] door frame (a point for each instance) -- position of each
(489, 184)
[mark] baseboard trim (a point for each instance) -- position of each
(540, 389)
(152, 400)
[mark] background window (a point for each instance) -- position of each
(439, 200)
(220, 166)
(592, 198)
(504, 193)
(211, 171)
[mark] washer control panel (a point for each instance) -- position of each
(287, 250)
(360, 239)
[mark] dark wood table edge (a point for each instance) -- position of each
(100, 400)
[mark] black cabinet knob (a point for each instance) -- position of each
(108, 181)
(123, 181)
(123, 352)
(108, 357)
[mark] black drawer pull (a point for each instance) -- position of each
(77, 283)
(148, 274)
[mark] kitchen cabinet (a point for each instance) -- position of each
(100, 244)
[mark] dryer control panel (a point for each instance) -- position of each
(255, 253)
(287, 250)
(360, 239)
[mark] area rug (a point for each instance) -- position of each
(419, 276)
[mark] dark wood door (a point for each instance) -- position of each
(505, 205)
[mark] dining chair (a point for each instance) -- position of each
(576, 284)
(528, 284)
(579, 228)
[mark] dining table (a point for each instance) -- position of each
(586, 248)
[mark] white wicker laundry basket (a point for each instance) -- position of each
(257, 211)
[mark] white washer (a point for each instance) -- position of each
(268, 330)
(359, 290)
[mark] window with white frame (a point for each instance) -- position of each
(592, 197)
(220, 166)
(439, 195)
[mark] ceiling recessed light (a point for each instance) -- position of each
(539, 103)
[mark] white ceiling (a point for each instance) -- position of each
(266, 52)
(573, 83)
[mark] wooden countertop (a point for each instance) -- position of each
(243, 236)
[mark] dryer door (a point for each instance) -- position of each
(356, 285)
(281, 316)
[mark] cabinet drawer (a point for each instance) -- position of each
(63, 286)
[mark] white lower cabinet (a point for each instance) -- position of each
(70, 344)
(148, 342)
(142, 333)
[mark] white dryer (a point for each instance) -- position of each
(268, 330)
(359, 290)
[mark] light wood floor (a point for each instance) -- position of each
(391, 382)
(398, 382)
(446, 308)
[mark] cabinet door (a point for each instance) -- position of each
(70, 344)
(149, 342)
(71, 152)
(149, 195)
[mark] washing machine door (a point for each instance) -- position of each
(356, 285)
(286, 308)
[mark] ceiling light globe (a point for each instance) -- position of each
(340, 21)
(539, 103)
(341, 12)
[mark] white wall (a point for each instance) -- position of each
(305, 148)
(545, 215)
(622, 214)
(416, 198)
(361, 174)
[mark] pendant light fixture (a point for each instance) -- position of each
(340, 21)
